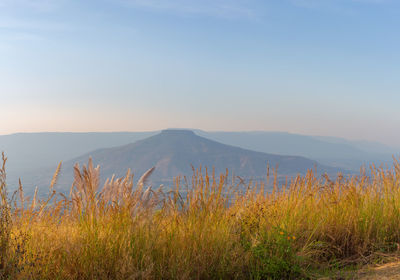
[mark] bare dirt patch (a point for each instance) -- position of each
(387, 271)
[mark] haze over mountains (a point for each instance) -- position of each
(33, 154)
(174, 153)
(331, 151)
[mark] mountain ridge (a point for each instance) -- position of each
(30, 153)
(174, 152)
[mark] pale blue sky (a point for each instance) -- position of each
(321, 67)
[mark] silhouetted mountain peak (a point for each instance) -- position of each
(177, 132)
(174, 151)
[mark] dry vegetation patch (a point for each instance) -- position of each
(216, 229)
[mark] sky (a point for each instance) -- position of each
(318, 67)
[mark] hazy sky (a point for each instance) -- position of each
(322, 67)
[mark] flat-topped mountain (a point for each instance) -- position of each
(174, 152)
(32, 155)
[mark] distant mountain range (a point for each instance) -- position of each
(174, 153)
(337, 152)
(31, 153)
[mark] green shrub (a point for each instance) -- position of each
(274, 257)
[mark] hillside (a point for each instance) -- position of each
(31, 153)
(120, 232)
(174, 152)
(331, 151)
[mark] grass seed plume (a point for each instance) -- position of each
(209, 227)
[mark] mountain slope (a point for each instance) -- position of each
(326, 150)
(173, 152)
(31, 153)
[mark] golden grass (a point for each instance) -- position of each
(213, 231)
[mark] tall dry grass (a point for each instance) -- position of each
(216, 229)
(5, 218)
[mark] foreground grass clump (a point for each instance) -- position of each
(211, 230)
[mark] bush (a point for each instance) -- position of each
(274, 257)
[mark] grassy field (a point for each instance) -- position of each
(309, 228)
